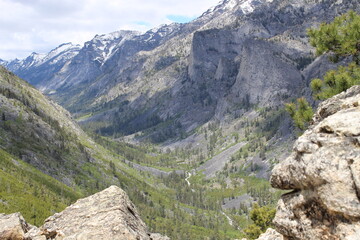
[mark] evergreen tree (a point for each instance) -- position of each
(262, 219)
(340, 39)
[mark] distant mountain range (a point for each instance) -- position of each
(167, 82)
(210, 93)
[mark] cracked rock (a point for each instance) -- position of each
(324, 171)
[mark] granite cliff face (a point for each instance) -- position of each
(173, 79)
(106, 215)
(324, 173)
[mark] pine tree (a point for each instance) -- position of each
(339, 39)
(262, 219)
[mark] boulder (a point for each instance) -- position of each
(13, 226)
(324, 173)
(108, 214)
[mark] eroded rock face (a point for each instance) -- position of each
(105, 215)
(324, 172)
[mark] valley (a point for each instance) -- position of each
(155, 179)
(188, 119)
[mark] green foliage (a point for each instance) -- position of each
(30, 126)
(301, 112)
(336, 81)
(262, 219)
(253, 231)
(25, 189)
(341, 37)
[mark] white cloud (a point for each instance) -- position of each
(41, 25)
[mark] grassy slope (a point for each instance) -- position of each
(35, 133)
(39, 143)
(27, 190)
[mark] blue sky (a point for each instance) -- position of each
(28, 26)
(179, 18)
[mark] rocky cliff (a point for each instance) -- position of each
(323, 173)
(173, 79)
(106, 215)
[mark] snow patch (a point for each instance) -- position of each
(231, 4)
(247, 7)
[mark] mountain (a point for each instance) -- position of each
(169, 81)
(42, 147)
(210, 92)
(48, 162)
(43, 66)
(215, 85)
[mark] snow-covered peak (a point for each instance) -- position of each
(115, 35)
(231, 4)
(64, 47)
(103, 46)
(62, 52)
(161, 31)
(246, 6)
(3, 62)
(33, 60)
(165, 28)
(37, 56)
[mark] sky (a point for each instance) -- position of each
(28, 26)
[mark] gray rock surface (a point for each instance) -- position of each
(218, 162)
(238, 54)
(270, 234)
(324, 172)
(234, 203)
(105, 215)
(13, 226)
(108, 214)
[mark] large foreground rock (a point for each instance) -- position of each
(13, 226)
(106, 215)
(324, 172)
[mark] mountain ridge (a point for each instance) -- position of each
(169, 84)
(48, 162)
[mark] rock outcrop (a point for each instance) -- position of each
(106, 215)
(13, 226)
(324, 172)
(271, 234)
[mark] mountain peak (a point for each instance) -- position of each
(115, 35)
(246, 6)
